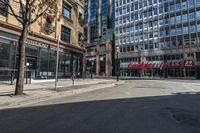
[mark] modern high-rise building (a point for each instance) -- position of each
(98, 33)
(158, 38)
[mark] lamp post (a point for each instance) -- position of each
(92, 69)
(117, 51)
(57, 61)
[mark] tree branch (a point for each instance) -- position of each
(38, 16)
(6, 4)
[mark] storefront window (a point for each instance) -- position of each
(7, 54)
(43, 63)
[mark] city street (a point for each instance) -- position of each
(138, 106)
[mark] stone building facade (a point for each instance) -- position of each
(42, 42)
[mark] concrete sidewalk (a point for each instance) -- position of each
(43, 90)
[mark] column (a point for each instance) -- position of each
(97, 60)
(109, 58)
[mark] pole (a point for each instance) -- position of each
(117, 67)
(57, 59)
(92, 70)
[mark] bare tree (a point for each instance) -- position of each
(27, 13)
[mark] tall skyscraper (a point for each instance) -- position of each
(158, 38)
(98, 33)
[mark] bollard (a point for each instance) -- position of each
(72, 79)
(26, 73)
(11, 77)
(30, 74)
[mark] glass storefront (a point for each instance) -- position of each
(7, 54)
(102, 65)
(7, 58)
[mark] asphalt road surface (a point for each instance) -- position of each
(139, 106)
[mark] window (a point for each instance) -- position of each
(160, 10)
(192, 15)
(184, 4)
(198, 14)
(65, 34)
(156, 45)
(136, 7)
(198, 27)
(190, 3)
(178, 31)
(161, 22)
(4, 54)
(132, 48)
(178, 18)
(172, 20)
(178, 6)
(150, 46)
(132, 7)
(3, 9)
(172, 32)
(155, 34)
(198, 2)
(124, 1)
(172, 8)
(192, 28)
(185, 30)
(150, 2)
(145, 4)
(140, 5)
(66, 11)
(128, 9)
(184, 17)
(155, 11)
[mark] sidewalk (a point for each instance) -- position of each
(41, 90)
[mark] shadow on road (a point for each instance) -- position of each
(178, 113)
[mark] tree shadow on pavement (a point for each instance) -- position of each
(178, 113)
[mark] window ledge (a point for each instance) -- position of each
(67, 19)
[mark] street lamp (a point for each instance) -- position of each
(57, 61)
(117, 51)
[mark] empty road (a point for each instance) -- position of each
(138, 106)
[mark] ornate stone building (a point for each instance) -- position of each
(42, 42)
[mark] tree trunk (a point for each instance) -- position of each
(20, 75)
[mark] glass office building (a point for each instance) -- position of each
(99, 17)
(158, 37)
(98, 34)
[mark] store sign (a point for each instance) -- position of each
(40, 44)
(162, 64)
(36, 43)
(188, 63)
